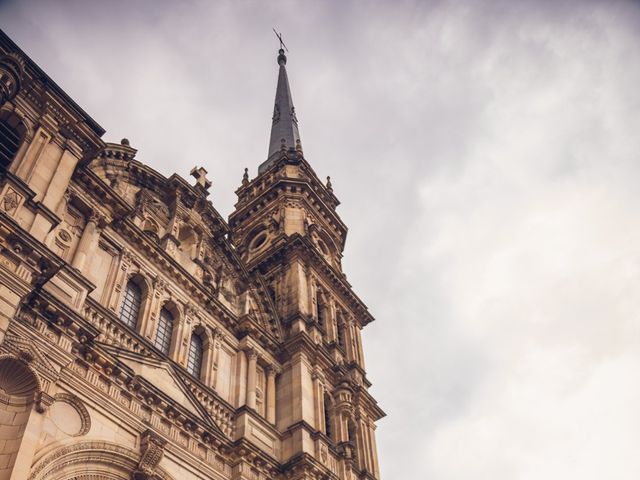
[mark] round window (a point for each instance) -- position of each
(258, 241)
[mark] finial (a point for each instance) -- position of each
(125, 142)
(299, 148)
(282, 58)
(245, 177)
(329, 186)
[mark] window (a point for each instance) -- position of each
(131, 304)
(322, 314)
(194, 359)
(341, 335)
(327, 415)
(11, 134)
(163, 334)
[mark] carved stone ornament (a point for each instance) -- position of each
(152, 451)
(11, 201)
(11, 73)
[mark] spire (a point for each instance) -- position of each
(284, 126)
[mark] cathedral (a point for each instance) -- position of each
(143, 336)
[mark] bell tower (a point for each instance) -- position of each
(286, 229)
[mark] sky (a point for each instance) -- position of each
(486, 154)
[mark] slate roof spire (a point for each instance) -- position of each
(284, 126)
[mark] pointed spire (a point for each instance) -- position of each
(284, 126)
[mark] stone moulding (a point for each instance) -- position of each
(80, 408)
(97, 458)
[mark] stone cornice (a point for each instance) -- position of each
(34, 71)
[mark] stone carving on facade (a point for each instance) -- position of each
(12, 73)
(10, 201)
(85, 418)
(152, 451)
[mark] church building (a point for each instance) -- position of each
(145, 337)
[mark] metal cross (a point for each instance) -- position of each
(282, 45)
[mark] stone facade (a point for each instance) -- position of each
(142, 336)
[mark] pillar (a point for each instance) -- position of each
(271, 394)
(252, 357)
(318, 400)
(60, 180)
(120, 282)
(28, 445)
(208, 360)
(87, 242)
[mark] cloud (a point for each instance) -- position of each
(486, 157)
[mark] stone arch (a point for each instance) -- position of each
(138, 280)
(93, 460)
(17, 379)
(19, 389)
(177, 317)
(151, 228)
(188, 239)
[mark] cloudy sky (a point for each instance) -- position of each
(487, 158)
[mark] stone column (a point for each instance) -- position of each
(330, 322)
(60, 180)
(359, 350)
(120, 281)
(216, 338)
(28, 444)
(374, 449)
(349, 340)
(183, 335)
(318, 399)
(149, 317)
(87, 242)
(271, 394)
(208, 359)
(252, 356)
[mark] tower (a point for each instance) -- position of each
(286, 228)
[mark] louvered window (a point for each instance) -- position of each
(164, 331)
(327, 416)
(10, 138)
(341, 335)
(130, 308)
(194, 359)
(322, 313)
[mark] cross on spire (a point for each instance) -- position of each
(200, 174)
(282, 45)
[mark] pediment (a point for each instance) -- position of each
(163, 376)
(22, 347)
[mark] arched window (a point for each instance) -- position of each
(327, 415)
(322, 313)
(194, 359)
(163, 334)
(12, 132)
(340, 334)
(130, 308)
(351, 435)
